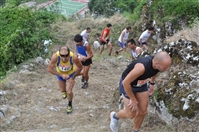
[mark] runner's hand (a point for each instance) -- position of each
(64, 76)
(133, 104)
(151, 90)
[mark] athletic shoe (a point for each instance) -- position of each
(113, 123)
(116, 52)
(135, 131)
(82, 79)
(109, 54)
(69, 109)
(85, 85)
(64, 95)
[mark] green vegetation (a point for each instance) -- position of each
(22, 33)
(106, 8)
(186, 9)
(22, 30)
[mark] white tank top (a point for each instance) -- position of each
(126, 35)
(134, 54)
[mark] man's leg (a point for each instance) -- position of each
(142, 98)
(86, 76)
(126, 112)
(69, 88)
(121, 48)
(110, 47)
(101, 49)
(62, 87)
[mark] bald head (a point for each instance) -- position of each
(162, 61)
(162, 57)
(63, 49)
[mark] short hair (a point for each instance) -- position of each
(88, 28)
(109, 25)
(150, 28)
(129, 27)
(132, 41)
(78, 38)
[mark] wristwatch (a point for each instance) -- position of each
(151, 83)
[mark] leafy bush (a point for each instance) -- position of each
(22, 32)
(102, 7)
(178, 8)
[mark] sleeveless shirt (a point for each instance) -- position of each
(67, 67)
(149, 70)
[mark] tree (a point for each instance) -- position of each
(102, 7)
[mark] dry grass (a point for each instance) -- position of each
(191, 34)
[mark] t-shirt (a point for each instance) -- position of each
(85, 35)
(144, 36)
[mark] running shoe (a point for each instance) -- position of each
(69, 109)
(113, 123)
(85, 85)
(116, 52)
(82, 79)
(64, 95)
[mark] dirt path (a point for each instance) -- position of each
(37, 105)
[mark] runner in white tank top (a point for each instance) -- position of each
(135, 51)
(123, 38)
(85, 34)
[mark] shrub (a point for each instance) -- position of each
(22, 32)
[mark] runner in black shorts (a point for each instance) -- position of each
(133, 87)
(85, 55)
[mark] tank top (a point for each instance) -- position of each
(149, 70)
(126, 35)
(82, 50)
(107, 30)
(134, 54)
(67, 67)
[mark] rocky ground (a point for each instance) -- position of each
(31, 101)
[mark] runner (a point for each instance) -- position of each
(67, 67)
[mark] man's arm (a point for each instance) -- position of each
(89, 51)
(141, 42)
(122, 37)
(52, 64)
(88, 37)
(139, 51)
(78, 65)
(152, 83)
(103, 37)
(137, 71)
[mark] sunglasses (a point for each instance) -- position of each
(64, 55)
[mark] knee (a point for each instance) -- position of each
(143, 113)
(69, 92)
(131, 115)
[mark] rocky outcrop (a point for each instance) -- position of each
(177, 90)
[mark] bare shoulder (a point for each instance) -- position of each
(54, 57)
(139, 67)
